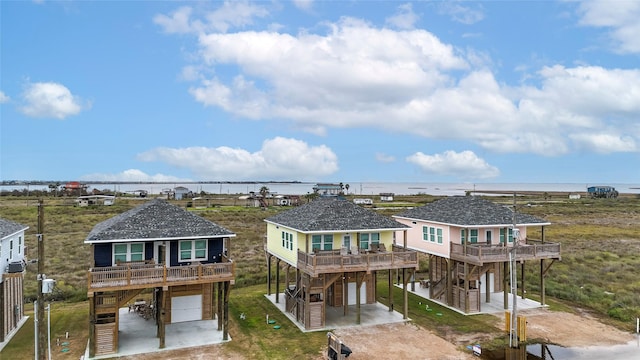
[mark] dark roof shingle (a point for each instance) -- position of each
(333, 214)
(8, 227)
(155, 219)
(468, 211)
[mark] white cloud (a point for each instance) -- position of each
(232, 14)
(464, 165)
(278, 159)
(620, 17)
(3, 98)
(405, 18)
(131, 175)
(462, 14)
(384, 158)
(348, 78)
(50, 100)
(605, 143)
(303, 4)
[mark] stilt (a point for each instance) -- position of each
(505, 284)
(161, 317)
(269, 256)
(358, 283)
(225, 328)
(390, 290)
(277, 281)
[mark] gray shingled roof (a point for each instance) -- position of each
(333, 214)
(155, 219)
(469, 211)
(8, 227)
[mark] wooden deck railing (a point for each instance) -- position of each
(527, 250)
(330, 261)
(131, 276)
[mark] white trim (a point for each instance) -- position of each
(193, 250)
(105, 241)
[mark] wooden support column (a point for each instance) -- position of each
(358, 283)
(449, 284)
(269, 256)
(92, 325)
(3, 330)
(307, 300)
(225, 327)
(542, 290)
(390, 283)
(345, 298)
(487, 286)
(277, 281)
(220, 306)
(466, 287)
(505, 282)
(160, 302)
(524, 291)
(405, 295)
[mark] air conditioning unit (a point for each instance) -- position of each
(16, 267)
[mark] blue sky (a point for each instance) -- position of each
(427, 91)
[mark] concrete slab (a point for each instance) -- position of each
(370, 314)
(138, 336)
(495, 306)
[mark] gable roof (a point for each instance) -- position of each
(8, 227)
(155, 220)
(333, 214)
(469, 211)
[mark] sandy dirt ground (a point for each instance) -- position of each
(408, 341)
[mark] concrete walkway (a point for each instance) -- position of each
(370, 314)
(138, 336)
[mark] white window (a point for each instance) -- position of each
(322, 242)
(11, 249)
(128, 252)
(439, 235)
(19, 245)
(367, 239)
(473, 236)
(425, 233)
(193, 250)
(432, 234)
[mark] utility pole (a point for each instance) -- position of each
(41, 340)
(513, 333)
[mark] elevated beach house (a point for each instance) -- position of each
(332, 251)
(180, 258)
(12, 268)
(470, 242)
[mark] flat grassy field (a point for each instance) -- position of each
(599, 269)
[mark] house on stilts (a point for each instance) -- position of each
(332, 252)
(12, 270)
(470, 241)
(179, 259)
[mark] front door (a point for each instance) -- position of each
(160, 253)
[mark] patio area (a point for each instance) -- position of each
(370, 314)
(138, 336)
(495, 306)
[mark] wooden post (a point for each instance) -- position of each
(220, 307)
(358, 283)
(390, 290)
(405, 294)
(524, 292)
(269, 274)
(466, 287)
(225, 328)
(92, 325)
(277, 281)
(487, 285)
(307, 301)
(505, 280)
(42, 333)
(542, 291)
(161, 318)
(345, 298)
(2, 315)
(449, 280)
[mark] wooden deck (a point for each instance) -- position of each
(140, 276)
(331, 261)
(479, 254)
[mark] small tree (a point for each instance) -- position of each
(264, 191)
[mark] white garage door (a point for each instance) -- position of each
(352, 293)
(186, 308)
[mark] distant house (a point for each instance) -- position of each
(386, 196)
(87, 200)
(180, 257)
(337, 250)
(469, 241)
(181, 192)
(12, 269)
(328, 189)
